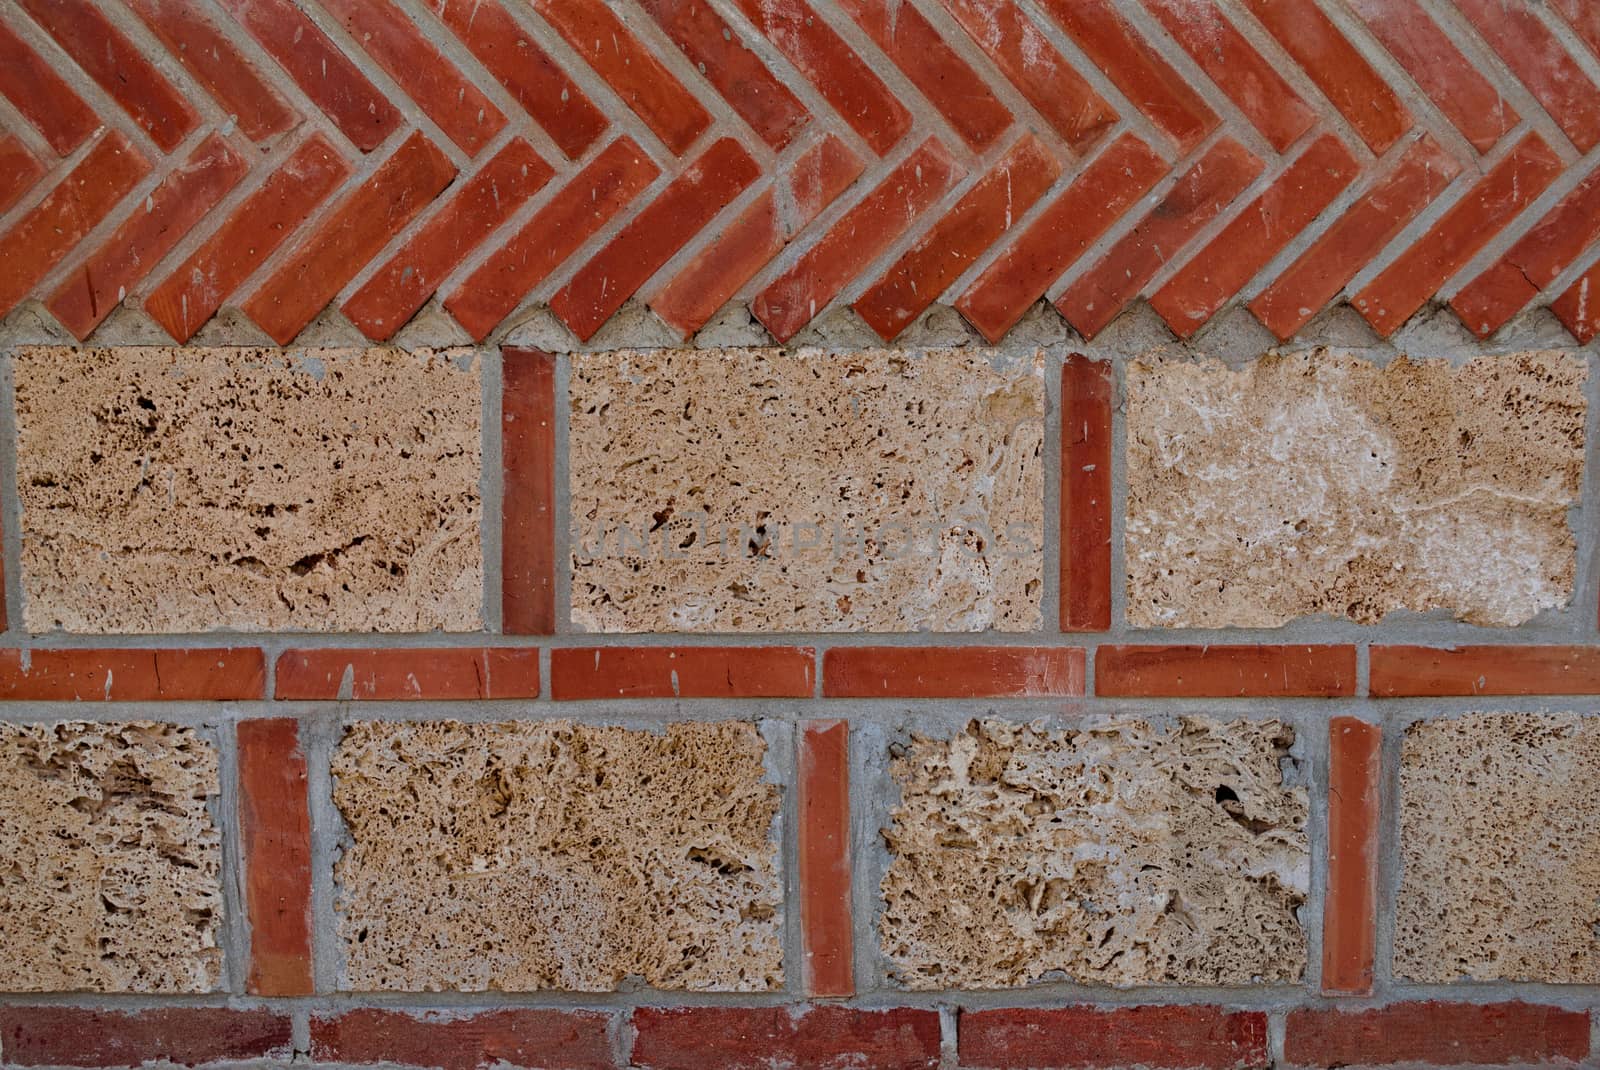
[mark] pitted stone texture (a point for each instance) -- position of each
(537, 855)
(1320, 483)
(1122, 854)
(109, 859)
(783, 490)
(178, 490)
(1500, 850)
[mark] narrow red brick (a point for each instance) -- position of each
(1584, 18)
(275, 822)
(18, 170)
(528, 498)
(1332, 260)
(1286, 207)
(1086, 399)
(651, 238)
(1399, 671)
(1265, 671)
(1350, 911)
(1208, 187)
(1415, 275)
(682, 672)
(352, 234)
(521, 1036)
(629, 68)
(711, 278)
(827, 969)
(1542, 63)
(439, 674)
(1436, 1034)
(979, 219)
(791, 300)
(166, 216)
(952, 672)
(1103, 1038)
(1573, 308)
(1097, 198)
(263, 221)
(758, 1038)
(133, 675)
(188, 1036)
(42, 96)
(393, 294)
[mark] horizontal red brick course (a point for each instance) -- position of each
(682, 672)
(132, 675)
(1398, 671)
(1091, 1038)
(760, 1038)
(409, 673)
(1437, 1034)
(524, 1037)
(1350, 911)
(275, 827)
(952, 672)
(825, 922)
(188, 1036)
(1237, 671)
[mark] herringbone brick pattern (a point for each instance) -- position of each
(280, 157)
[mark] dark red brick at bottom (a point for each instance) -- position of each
(784, 1038)
(1090, 1038)
(1438, 1034)
(548, 1039)
(187, 1036)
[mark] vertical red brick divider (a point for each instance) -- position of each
(1086, 389)
(528, 519)
(827, 962)
(275, 820)
(1350, 912)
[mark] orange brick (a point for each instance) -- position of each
(409, 673)
(952, 672)
(1350, 911)
(1225, 671)
(275, 822)
(1398, 671)
(828, 969)
(682, 672)
(133, 675)
(1086, 394)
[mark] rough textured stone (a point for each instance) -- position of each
(1499, 821)
(779, 490)
(187, 490)
(1123, 853)
(109, 858)
(531, 855)
(1320, 483)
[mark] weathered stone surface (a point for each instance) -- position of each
(187, 490)
(1500, 849)
(1320, 483)
(109, 858)
(1122, 853)
(760, 489)
(532, 855)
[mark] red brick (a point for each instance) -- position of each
(952, 672)
(548, 1039)
(350, 236)
(1398, 671)
(1199, 196)
(409, 674)
(651, 238)
(790, 301)
(629, 68)
(979, 219)
(164, 219)
(1068, 225)
(1286, 207)
(262, 222)
(1108, 1037)
(1573, 308)
(275, 823)
(43, 98)
(1225, 671)
(828, 965)
(132, 675)
(18, 170)
(1333, 259)
(1515, 31)
(711, 278)
(1415, 275)
(1584, 18)
(1436, 1034)
(188, 1036)
(761, 1038)
(1086, 397)
(393, 294)
(1350, 911)
(528, 526)
(682, 672)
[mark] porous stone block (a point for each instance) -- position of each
(745, 490)
(551, 855)
(1322, 483)
(109, 858)
(179, 490)
(1124, 853)
(1500, 850)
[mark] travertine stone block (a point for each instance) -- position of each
(168, 490)
(109, 858)
(760, 489)
(1124, 853)
(1500, 850)
(536, 855)
(1321, 483)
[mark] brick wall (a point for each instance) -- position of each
(922, 533)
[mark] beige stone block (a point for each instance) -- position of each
(552, 855)
(1124, 853)
(178, 490)
(1321, 483)
(109, 858)
(1500, 850)
(748, 490)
